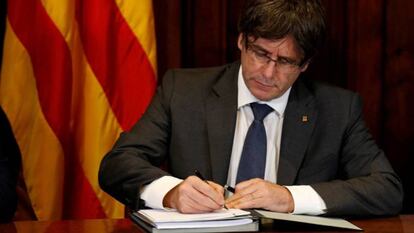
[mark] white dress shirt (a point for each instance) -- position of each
(306, 199)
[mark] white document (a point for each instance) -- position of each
(171, 219)
(323, 221)
(203, 224)
(158, 216)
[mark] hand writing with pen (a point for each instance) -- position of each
(197, 195)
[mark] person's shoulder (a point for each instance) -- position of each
(199, 79)
(322, 90)
(328, 96)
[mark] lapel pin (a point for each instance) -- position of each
(305, 118)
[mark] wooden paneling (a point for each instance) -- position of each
(365, 57)
(196, 33)
(205, 33)
(398, 91)
(168, 18)
(329, 65)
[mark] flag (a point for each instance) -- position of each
(75, 73)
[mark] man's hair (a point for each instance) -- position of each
(304, 20)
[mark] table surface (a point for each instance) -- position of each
(402, 223)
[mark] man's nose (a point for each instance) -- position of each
(268, 69)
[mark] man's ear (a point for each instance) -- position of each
(240, 42)
(304, 67)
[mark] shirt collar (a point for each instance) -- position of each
(245, 97)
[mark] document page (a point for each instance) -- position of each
(158, 216)
(203, 224)
(323, 221)
(171, 219)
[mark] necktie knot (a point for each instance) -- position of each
(260, 111)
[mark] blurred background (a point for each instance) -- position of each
(369, 49)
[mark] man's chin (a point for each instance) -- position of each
(265, 95)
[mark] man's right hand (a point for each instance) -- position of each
(194, 195)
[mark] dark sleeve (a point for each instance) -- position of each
(9, 169)
(368, 184)
(135, 158)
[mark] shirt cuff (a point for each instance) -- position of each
(307, 200)
(154, 192)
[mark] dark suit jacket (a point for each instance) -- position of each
(9, 170)
(191, 121)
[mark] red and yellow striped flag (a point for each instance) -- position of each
(75, 73)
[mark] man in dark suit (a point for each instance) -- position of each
(9, 169)
(286, 144)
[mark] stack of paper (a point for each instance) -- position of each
(221, 220)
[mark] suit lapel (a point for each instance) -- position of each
(221, 112)
(298, 124)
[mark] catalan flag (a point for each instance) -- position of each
(75, 73)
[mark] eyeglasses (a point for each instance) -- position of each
(283, 64)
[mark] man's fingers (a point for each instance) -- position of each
(211, 190)
(203, 200)
(194, 195)
(257, 193)
(219, 189)
(246, 202)
(243, 189)
(189, 205)
(244, 198)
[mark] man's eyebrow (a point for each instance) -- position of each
(260, 48)
(289, 59)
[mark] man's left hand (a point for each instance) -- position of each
(258, 193)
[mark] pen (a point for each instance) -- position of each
(226, 187)
(198, 174)
(229, 188)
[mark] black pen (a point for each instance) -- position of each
(226, 187)
(198, 174)
(229, 188)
